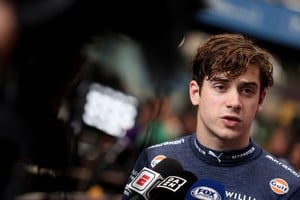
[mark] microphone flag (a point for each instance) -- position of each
(173, 187)
(147, 178)
(144, 181)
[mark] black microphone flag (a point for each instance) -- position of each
(173, 187)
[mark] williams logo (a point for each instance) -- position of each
(279, 186)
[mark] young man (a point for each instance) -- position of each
(231, 76)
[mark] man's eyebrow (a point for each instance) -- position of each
(253, 84)
(224, 79)
(219, 79)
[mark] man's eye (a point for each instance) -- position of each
(220, 87)
(247, 91)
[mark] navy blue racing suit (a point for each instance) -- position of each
(247, 174)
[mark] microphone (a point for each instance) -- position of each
(205, 189)
(147, 178)
(173, 187)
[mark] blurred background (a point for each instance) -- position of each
(86, 85)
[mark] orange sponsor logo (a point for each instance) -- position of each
(279, 186)
(157, 159)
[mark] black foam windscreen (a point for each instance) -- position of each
(168, 166)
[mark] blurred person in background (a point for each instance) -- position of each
(230, 79)
(34, 143)
(283, 142)
(10, 123)
(293, 155)
(9, 30)
(162, 126)
(279, 142)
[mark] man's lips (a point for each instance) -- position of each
(230, 120)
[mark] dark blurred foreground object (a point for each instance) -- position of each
(45, 65)
(53, 27)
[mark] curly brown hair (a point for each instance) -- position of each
(230, 54)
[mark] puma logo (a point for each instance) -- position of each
(215, 156)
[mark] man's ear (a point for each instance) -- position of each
(261, 100)
(194, 92)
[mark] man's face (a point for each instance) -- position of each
(227, 107)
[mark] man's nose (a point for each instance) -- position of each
(234, 100)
